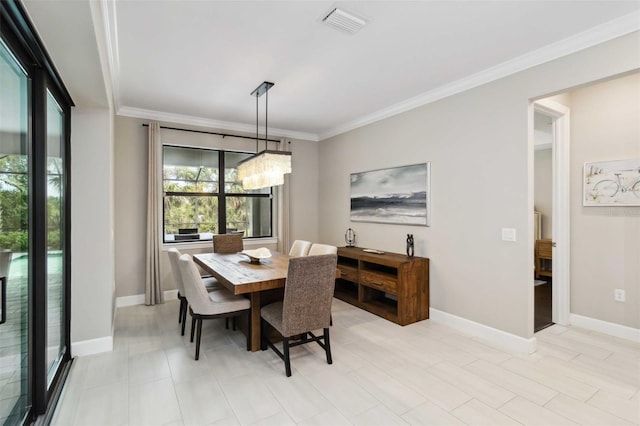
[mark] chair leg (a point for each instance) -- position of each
(249, 330)
(184, 315)
(287, 362)
(327, 346)
(184, 318)
(330, 319)
(233, 320)
(193, 327)
(198, 338)
(226, 323)
(180, 311)
(263, 337)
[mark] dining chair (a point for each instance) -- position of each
(210, 284)
(317, 249)
(228, 243)
(209, 305)
(308, 293)
(300, 248)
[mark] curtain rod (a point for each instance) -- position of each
(213, 133)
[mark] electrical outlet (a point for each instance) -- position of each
(618, 295)
(508, 234)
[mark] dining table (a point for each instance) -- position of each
(241, 276)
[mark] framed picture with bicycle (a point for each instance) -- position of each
(612, 183)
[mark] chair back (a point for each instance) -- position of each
(300, 248)
(196, 293)
(174, 258)
(308, 293)
(317, 249)
(228, 243)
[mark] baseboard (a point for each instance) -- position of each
(93, 346)
(508, 341)
(138, 299)
(612, 329)
(170, 294)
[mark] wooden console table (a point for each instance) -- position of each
(390, 285)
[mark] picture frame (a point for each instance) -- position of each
(396, 195)
(611, 183)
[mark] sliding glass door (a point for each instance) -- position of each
(34, 223)
(15, 368)
(55, 238)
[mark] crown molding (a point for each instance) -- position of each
(209, 123)
(110, 23)
(100, 31)
(594, 36)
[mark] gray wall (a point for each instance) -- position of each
(605, 241)
(543, 188)
(130, 205)
(131, 197)
(481, 169)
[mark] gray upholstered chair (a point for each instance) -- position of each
(306, 307)
(317, 249)
(228, 243)
(209, 305)
(210, 284)
(300, 248)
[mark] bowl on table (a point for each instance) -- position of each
(256, 255)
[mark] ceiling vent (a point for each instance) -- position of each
(344, 21)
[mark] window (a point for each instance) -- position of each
(200, 200)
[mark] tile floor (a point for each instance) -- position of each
(383, 374)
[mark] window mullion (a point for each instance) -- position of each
(222, 199)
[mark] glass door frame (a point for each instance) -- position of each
(21, 37)
(24, 402)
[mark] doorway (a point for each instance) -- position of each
(543, 219)
(551, 213)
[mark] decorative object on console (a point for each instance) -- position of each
(396, 195)
(612, 183)
(266, 168)
(350, 238)
(410, 245)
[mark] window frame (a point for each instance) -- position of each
(221, 195)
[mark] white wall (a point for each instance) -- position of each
(481, 166)
(92, 243)
(131, 195)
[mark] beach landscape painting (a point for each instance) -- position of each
(399, 195)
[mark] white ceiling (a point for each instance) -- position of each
(196, 62)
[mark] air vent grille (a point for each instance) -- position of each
(344, 21)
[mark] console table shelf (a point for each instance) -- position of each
(390, 285)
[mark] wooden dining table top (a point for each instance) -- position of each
(240, 276)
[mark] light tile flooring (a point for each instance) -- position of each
(383, 374)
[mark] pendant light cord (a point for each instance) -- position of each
(266, 122)
(257, 124)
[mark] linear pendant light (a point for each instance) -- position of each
(266, 168)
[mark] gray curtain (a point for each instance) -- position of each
(153, 286)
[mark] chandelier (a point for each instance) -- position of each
(266, 168)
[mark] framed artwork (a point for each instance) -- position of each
(399, 195)
(612, 183)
